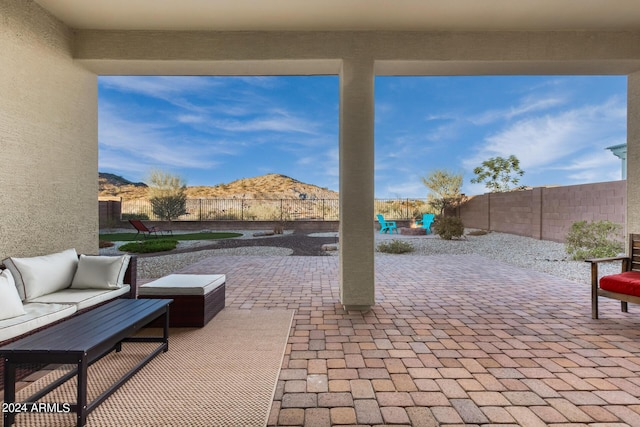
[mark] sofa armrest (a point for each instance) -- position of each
(131, 276)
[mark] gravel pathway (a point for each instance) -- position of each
(540, 255)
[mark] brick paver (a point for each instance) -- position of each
(452, 340)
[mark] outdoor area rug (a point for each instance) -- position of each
(224, 374)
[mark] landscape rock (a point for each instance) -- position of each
(263, 233)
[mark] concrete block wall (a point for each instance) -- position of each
(475, 212)
(546, 213)
(562, 206)
(511, 212)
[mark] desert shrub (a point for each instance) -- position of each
(148, 246)
(169, 207)
(596, 239)
(395, 247)
(141, 216)
(448, 227)
(167, 195)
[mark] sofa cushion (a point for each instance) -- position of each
(100, 272)
(627, 283)
(10, 303)
(36, 315)
(83, 298)
(183, 284)
(41, 275)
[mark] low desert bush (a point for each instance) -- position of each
(395, 247)
(140, 216)
(596, 239)
(448, 227)
(149, 246)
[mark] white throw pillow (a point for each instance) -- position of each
(42, 275)
(10, 304)
(100, 272)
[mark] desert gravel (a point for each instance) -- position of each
(539, 255)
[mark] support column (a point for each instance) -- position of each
(357, 278)
(633, 153)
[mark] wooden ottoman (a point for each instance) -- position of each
(196, 297)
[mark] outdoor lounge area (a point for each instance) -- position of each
(474, 342)
(374, 340)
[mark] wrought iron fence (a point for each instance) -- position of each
(271, 209)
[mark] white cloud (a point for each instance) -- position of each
(542, 141)
(527, 105)
(174, 90)
(154, 143)
(260, 81)
(116, 161)
(279, 122)
(473, 189)
(159, 86)
(593, 167)
(191, 119)
(327, 163)
(412, 189)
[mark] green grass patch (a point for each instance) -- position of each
(149, 246)
(131, 237)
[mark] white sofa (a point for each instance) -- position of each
(39, 291)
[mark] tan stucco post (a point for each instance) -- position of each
(357, 287)
(633, 153)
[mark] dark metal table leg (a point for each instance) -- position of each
(166, 329)
(82, 391)
(9, 390)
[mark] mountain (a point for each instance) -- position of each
(270, 186)
(112, 186)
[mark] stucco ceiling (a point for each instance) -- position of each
(332, 15)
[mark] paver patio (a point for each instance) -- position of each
(452, 340)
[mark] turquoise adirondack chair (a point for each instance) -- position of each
(426, 221)
(386, 226)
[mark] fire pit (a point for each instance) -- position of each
(411, 231)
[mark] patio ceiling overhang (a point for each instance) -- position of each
(352, 15)
(393, 53)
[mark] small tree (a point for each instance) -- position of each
(167, 194)
(499, 174)
(445, 189)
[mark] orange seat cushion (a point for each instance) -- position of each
(627, 283)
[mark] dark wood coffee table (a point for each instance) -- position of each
(82, 340)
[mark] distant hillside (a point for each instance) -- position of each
(112, 186)
(271, 186)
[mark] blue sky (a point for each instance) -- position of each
(213, 130)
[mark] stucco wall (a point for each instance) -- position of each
(48, 137)
(546, 213)
(633, 153)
